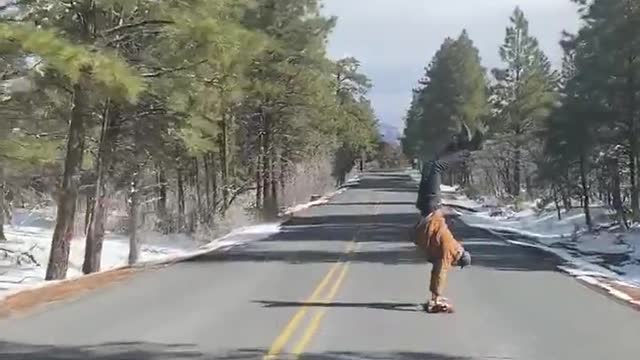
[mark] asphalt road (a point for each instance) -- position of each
(340, 281)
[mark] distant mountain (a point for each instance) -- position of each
(390, 134)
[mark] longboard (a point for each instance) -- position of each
(438, 308)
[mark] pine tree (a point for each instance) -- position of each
(608, 45)
(523, 94)
(453, 92)
(200, 102)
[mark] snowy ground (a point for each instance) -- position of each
(24, 256)
(609, 253)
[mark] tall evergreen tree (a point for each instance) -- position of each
(453, 92)
(179, 107)
(523, 94)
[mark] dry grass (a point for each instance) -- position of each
(633, 292)
(30, 299)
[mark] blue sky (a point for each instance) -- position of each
(395, 39)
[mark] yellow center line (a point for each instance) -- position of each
(314, 325)
(317, 318)
(291, 327)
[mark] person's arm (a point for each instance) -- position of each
(442, 266)
(438, 278)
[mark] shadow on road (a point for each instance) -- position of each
(386, 243)
(410, 203)
(383, 237)
(150, 351)
(385, 181)
(106, 351)
(400, 190)
(406, 219)
(395, 306)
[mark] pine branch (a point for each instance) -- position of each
(20, 254)
(165, 71)
(39, 135)
(137, 25)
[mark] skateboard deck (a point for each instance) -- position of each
(438, 308)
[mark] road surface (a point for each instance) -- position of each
(339, 282)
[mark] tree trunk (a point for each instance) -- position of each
(259, 196)
(282, 175)
(269, 206)
(617, 196)
(517, 172)
(633, 180)
(274, 181)
(259, 169)
(193, 206)
(585, 192)
(161, 204)
(68, 192)
(214, 187)
(181, 202)
(88, 212)
(96, 229)
(207, 190)
(2, 205)
(557, 202)
(224, 157)
(199, 212)
(134, 201)
(633, 137)
(506, 178)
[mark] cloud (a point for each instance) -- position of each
(396, 39)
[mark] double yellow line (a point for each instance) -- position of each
(341, 268)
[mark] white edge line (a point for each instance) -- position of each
(585, 278)
(580, 275)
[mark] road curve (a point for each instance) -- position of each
(340, 281)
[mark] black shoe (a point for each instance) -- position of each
(464, 141)
(468, 141)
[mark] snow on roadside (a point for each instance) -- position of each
(608, 253)
(23, 261)
(322, 200)
(530, 222)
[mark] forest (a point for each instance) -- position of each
(566, 136)
(177, 116)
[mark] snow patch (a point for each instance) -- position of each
(323, 200)
(263, 229)
(24, 256)
(448, 189)
(608, 253)
(604, 254)
(24, 259)
(614, 292)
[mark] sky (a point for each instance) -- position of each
(396, 39)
